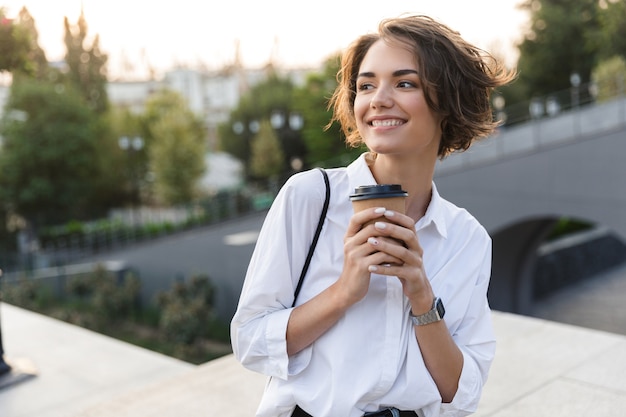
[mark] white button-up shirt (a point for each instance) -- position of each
(370, 358)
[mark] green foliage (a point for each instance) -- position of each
(184, 326)
(26, 293)
(610, 40)
(36, 64)
(267, 156)
(274, 95)
(312, 101)
(110, 301)
(566, 226)
(610, 77)
(187, 310)
(14, 45)
(48, 154)
(125, 182)
(566, 38)
(556, 45)
(177, 148)
(313, 143)
(87, 65)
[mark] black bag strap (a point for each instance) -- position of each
(315, 237)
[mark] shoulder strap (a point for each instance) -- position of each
(315, 237)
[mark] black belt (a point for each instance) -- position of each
(298, 412)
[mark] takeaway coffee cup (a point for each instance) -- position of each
(389, 196)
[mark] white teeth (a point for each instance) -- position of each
(384, 123)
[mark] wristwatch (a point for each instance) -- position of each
(433, 316)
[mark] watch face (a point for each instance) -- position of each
(440, 308)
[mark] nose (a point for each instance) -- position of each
(381, 98)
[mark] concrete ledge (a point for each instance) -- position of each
(542, 369)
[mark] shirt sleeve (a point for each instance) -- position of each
(474, 334)
(258, 328)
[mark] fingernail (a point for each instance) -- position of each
(372, 268)
(388, 213)
(380, 225)
(380, 210)
(373, 241)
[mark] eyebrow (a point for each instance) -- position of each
(397, 73)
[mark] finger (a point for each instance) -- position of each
(387, 251)
(358, 219)
(390, 246)
(399, 219)
(397, 232)
(386, 268)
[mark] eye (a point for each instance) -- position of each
(364, 86)
(407, 84)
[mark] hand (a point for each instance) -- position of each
(359, 254)
(404, 261)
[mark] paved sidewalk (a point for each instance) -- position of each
(542, 369)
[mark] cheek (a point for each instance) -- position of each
(360, 108)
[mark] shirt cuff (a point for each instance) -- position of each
(465, 402)
(282, 365)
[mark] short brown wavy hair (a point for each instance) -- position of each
(457, 79)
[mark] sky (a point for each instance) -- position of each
(163, 34)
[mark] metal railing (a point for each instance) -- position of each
(549, 126)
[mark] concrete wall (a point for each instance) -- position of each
(520, 182)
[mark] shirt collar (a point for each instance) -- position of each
(360, 174)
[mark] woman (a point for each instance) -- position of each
(367, 334)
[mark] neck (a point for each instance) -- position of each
(415, 176)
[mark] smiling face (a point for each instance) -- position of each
(390, 108)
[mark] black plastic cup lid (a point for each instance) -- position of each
(365, 192)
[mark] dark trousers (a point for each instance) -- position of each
(298, 412)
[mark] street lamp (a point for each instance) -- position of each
(574, 80)
(132, 146)
(286, 125)
(289, 124)
(499, 103)
(239, 127)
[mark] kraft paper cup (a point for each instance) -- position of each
(390, 196)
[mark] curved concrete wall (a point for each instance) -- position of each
(518, 183)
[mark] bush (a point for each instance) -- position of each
(111, 301)
(183, 324)
(187, 311)
(27, 293)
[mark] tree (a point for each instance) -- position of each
(48, 153)
(267, 156)
(14, 45)
(36, 62)
(87, 65)
(123, 170)
(611, 39)
(177, 147)
(557, 44)
(275, 95)
(610, 78)
(323, 145)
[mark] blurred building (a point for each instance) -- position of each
(210, 94)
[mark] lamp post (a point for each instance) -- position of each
(132, 146)
(574, 80)
(499, 103)
(288, 126)
(536, 110)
